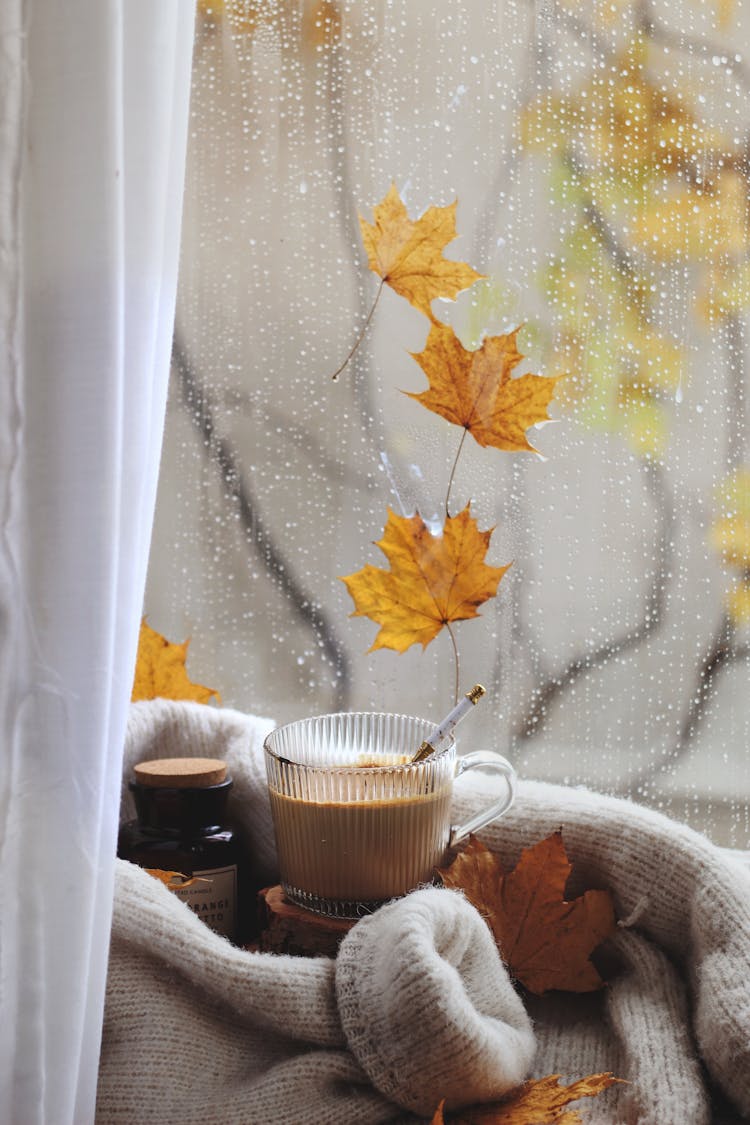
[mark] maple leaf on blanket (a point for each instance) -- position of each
(544, 940)
(160, 671)
(175, 880)
(433, 579)
(540, 1101)
(407, 254)
(477, 390)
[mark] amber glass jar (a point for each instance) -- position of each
(181, 828)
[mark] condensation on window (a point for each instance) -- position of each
(598, 153)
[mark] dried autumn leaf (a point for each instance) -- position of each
(433, 579)
(175, 880)
(540, 1101)
(477, 390)
(408, 254)
(160, 670)
(545, 941)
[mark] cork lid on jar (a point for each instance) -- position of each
(181, 773)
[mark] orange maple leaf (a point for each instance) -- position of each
(160, 670)
(433, 581)
(545, 941)
(175, 880)
(408, 254)
(477, 390)
(540, 1101)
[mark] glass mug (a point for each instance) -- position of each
(356, 821)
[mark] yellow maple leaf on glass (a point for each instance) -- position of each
(476, 389)
(160, 671)
(434, 579)
(407, 254)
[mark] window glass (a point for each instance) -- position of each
(598, 156)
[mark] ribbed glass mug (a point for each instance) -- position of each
(357, 822)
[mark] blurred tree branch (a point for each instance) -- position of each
(237, 491)
(549, 693)
(721, 651)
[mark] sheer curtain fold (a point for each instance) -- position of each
(93, 124)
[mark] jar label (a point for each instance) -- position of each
(212, 895)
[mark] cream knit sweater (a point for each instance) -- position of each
(418, 1005)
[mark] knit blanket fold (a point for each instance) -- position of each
(418, 1006)
(690, 901)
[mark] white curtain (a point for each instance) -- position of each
(93, 123)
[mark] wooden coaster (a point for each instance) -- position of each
(286, 928)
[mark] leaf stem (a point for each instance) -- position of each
(453, 472)
(456, 657)
(361, 335)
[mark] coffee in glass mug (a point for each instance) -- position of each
(357, 821)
